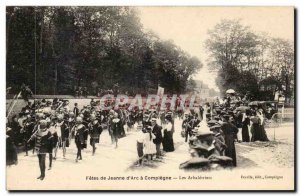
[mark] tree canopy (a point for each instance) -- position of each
(246, 60)
(56, 49)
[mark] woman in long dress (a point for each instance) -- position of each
(245, 129)
(257, 129)
(264, 136)
(168, 144)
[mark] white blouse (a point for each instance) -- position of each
(169, 126)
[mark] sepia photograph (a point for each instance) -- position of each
(150, 98)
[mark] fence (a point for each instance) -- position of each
(280, 119)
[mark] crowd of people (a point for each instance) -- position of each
(46, 126)
(225, 119)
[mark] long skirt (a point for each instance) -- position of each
(264, 133)
(150, 147)
(245, 133)
(168, 144)
(258, 133)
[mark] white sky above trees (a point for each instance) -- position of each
(188, 26)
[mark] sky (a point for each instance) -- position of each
(188, 27)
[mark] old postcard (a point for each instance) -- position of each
(150, 98)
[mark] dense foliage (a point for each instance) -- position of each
(251, 62)
(56, 49)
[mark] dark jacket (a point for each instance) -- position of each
(158, 134)
(80, 132)
(116, 126)
(95, 129)
(65, 130)
(43, 140)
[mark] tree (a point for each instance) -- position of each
(57, 49)
(244, 59)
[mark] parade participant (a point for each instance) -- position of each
(168, 145)
(139, 117)
(71, 124)
(95, 129)
(116, 128)
(140, 146)
(109, 125)
(123, 122)
(230, 131)
(52, 141)
(58, 131)
(156, 130)
(65, 134)
(79, 129)
(85, 122)
(129, 120)
(149, 146)
(27, 131)
(42, 136)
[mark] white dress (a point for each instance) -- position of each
(149, 146)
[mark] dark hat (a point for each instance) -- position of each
(226, 117)
(168, 117)
(223, 112)
(217, 126)
(212, 122)
(217, 118)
